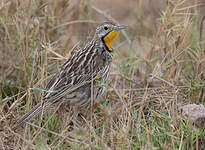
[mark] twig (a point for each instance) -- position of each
(19, 136)
(54, 133)
(201, 30)
(131, 80)
(151, 88)
(154, 76)
(74, 22)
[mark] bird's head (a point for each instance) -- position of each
(107, 32)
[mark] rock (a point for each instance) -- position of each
(195, 114)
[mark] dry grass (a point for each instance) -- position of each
(155, 69)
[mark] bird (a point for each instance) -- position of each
(82, 74)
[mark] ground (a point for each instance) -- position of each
(158, 67)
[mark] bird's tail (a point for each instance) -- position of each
(34, 111)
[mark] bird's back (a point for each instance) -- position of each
(85, 65)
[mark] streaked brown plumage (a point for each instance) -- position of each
(88, 65)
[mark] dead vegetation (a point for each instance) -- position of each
(158, 66)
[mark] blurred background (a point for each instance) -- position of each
(53, 21)
(159, 64)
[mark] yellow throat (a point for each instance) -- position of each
(109, 38)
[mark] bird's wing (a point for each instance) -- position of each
(73, 75)
(66, 85)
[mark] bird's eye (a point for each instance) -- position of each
(105, 28)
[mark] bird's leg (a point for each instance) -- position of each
(75, 116)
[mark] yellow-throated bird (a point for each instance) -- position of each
(84, 70)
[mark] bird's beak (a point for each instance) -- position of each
(120, 27)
